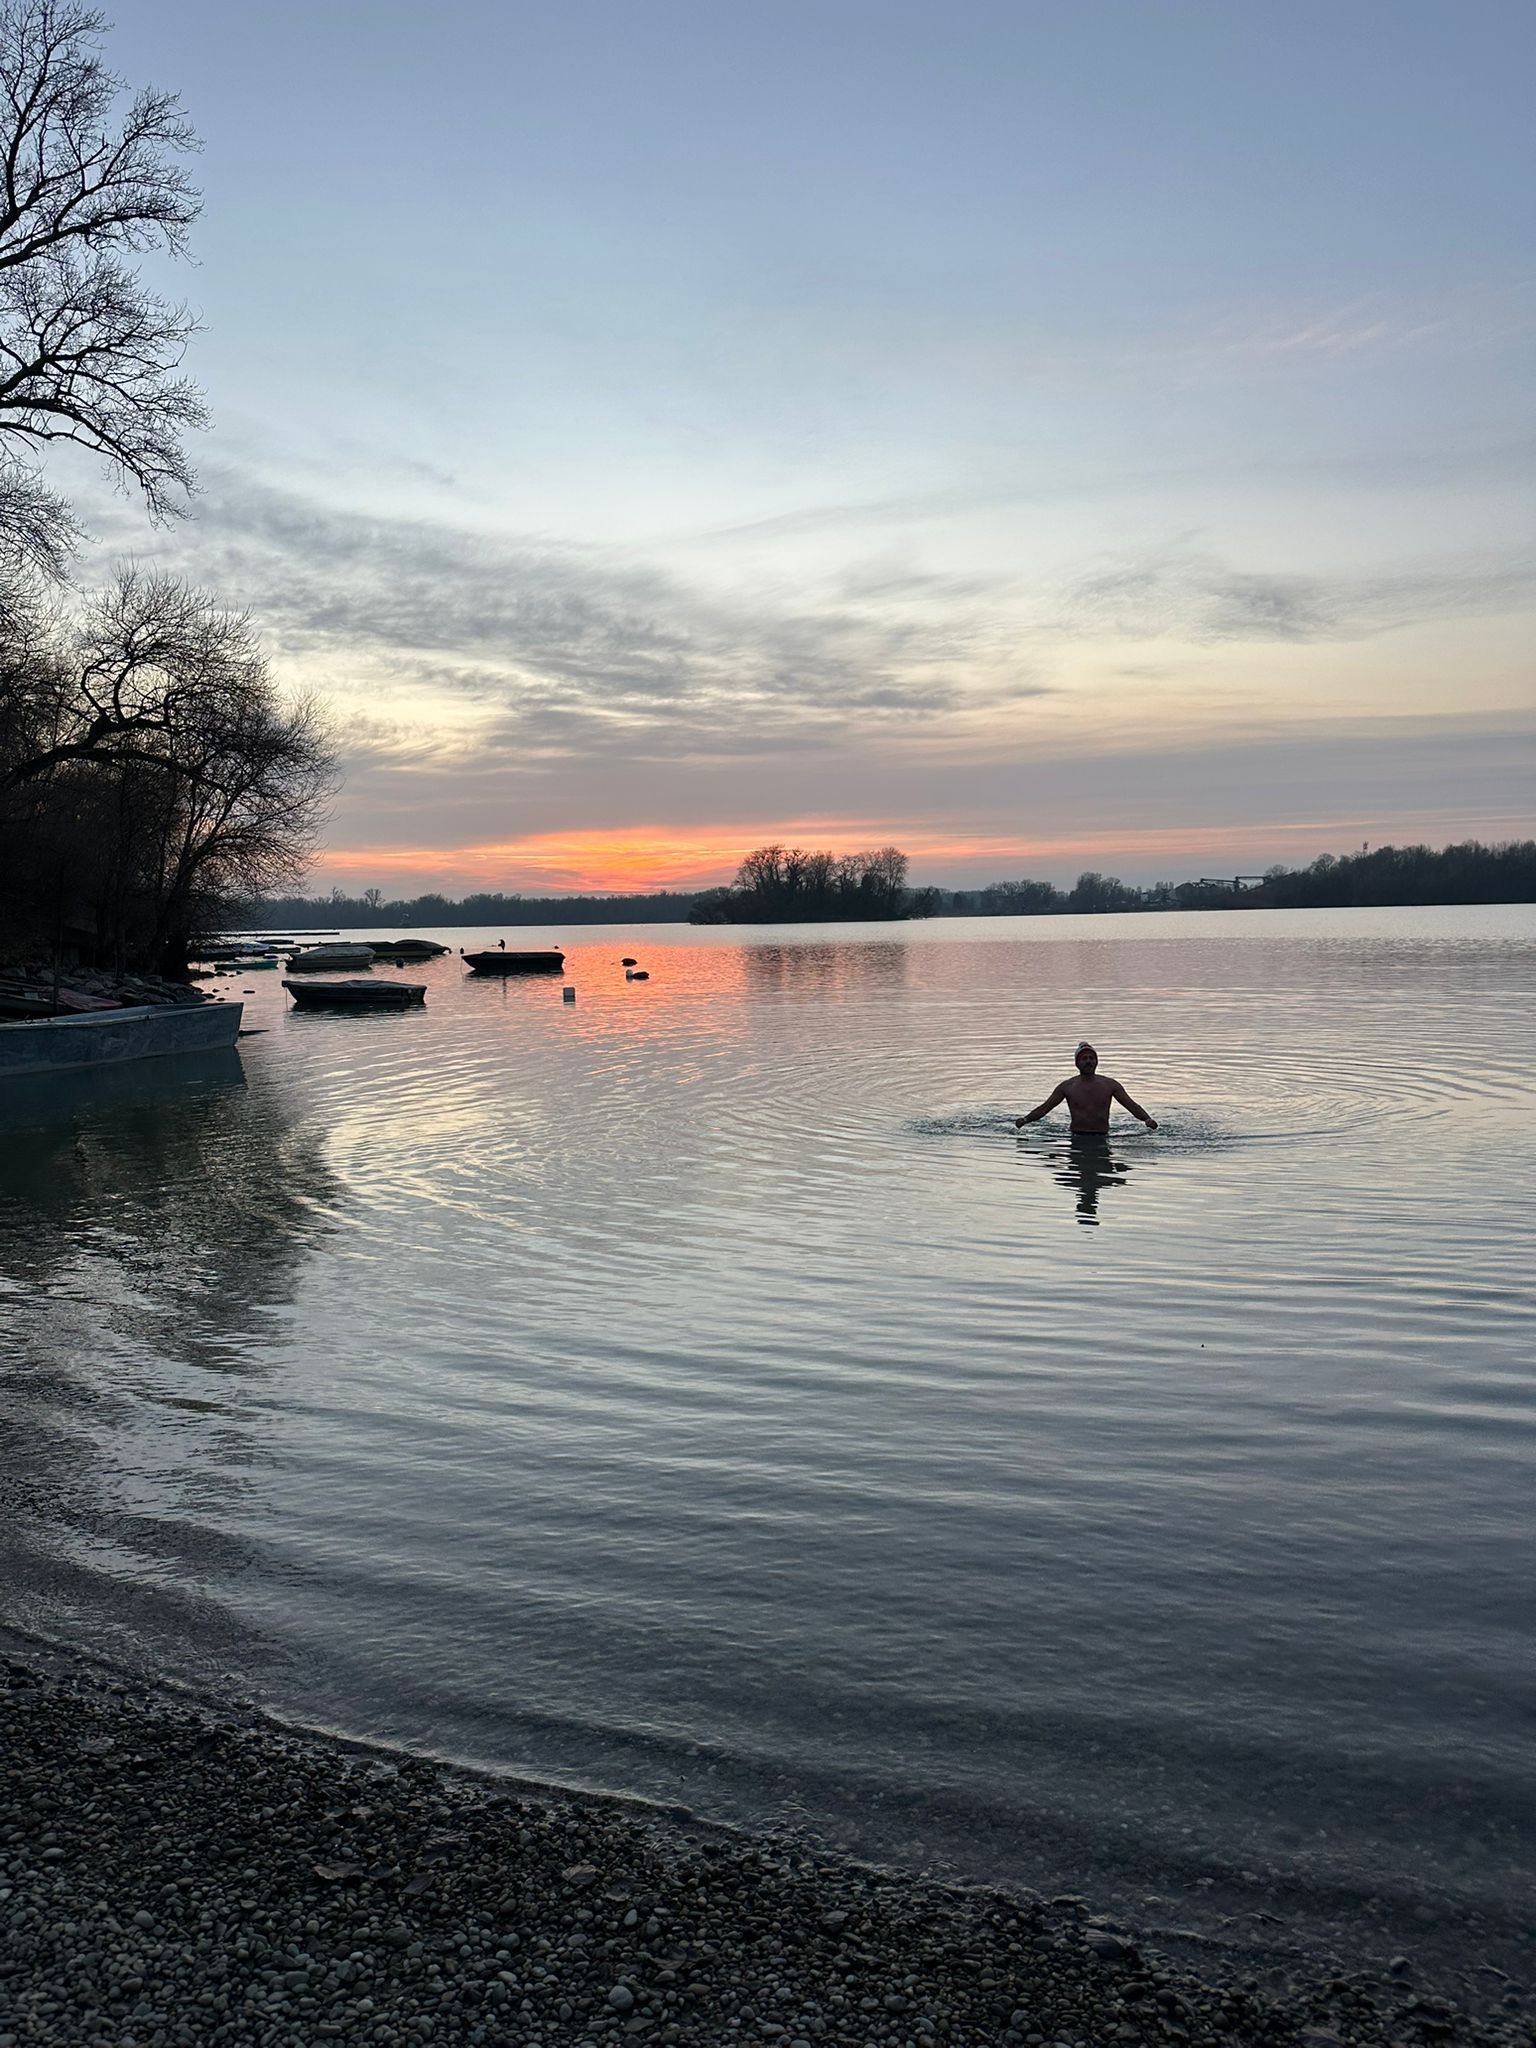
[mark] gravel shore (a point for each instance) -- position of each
(171, 1873)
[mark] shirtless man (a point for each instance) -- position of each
(1088, 1098)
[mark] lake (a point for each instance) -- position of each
(701, 1391)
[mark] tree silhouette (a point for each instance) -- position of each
(88, 353)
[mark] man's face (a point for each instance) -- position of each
(1087, 1060)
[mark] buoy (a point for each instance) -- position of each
(569, 994)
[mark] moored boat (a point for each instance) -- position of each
(407, 949)
(50, 1045)
(497, 960)
(356, 995)
(320, 959)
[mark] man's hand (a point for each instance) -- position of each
(1150, 1122)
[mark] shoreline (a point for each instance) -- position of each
(175, 1872)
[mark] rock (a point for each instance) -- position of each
(1112, 1947)
(246, 1837)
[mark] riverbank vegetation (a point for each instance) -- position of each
(151, 774)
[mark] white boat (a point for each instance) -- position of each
(356, 995)
(321, 959)
(98, 1038)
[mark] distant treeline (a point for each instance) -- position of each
(778, 884)
(788, 885)
(372, 907)
(1467, 873)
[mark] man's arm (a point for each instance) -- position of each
(1057, 1094)
(1134, 1107)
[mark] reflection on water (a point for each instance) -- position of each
(1086, 1164)
(810, 967)
(159, 1172)
(677, 1391)
(154, 1220)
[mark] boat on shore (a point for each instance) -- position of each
(356, 995)
(321, 959)
(498, 960)
(95, 1038)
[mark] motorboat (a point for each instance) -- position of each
(95, 1038)
(502, 960)
(321, 959)
(356, 995)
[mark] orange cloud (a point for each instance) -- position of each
(640, 858)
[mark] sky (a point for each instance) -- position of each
(1042, 436)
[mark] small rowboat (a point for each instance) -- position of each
(407, 949)
(316, 959)
(356, 995)
(494, 960)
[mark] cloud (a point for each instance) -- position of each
(560, 650)
(494, 689)
(1195, 597)
(1148, 814)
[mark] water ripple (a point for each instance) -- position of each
(704, 1389)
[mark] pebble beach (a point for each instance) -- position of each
(175, 1872)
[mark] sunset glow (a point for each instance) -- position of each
(651, 858)
(1089, 489)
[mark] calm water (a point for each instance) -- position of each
(702, 1391)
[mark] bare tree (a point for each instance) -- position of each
(157, 719)
(762, 871)
(150, 653)
(88, 353)
(245, 795)
(797, 882)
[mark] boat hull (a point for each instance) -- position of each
(102, 1038)
(494, 961)
(327, 959)
(356, 995)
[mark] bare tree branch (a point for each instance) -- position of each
(88, 353)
